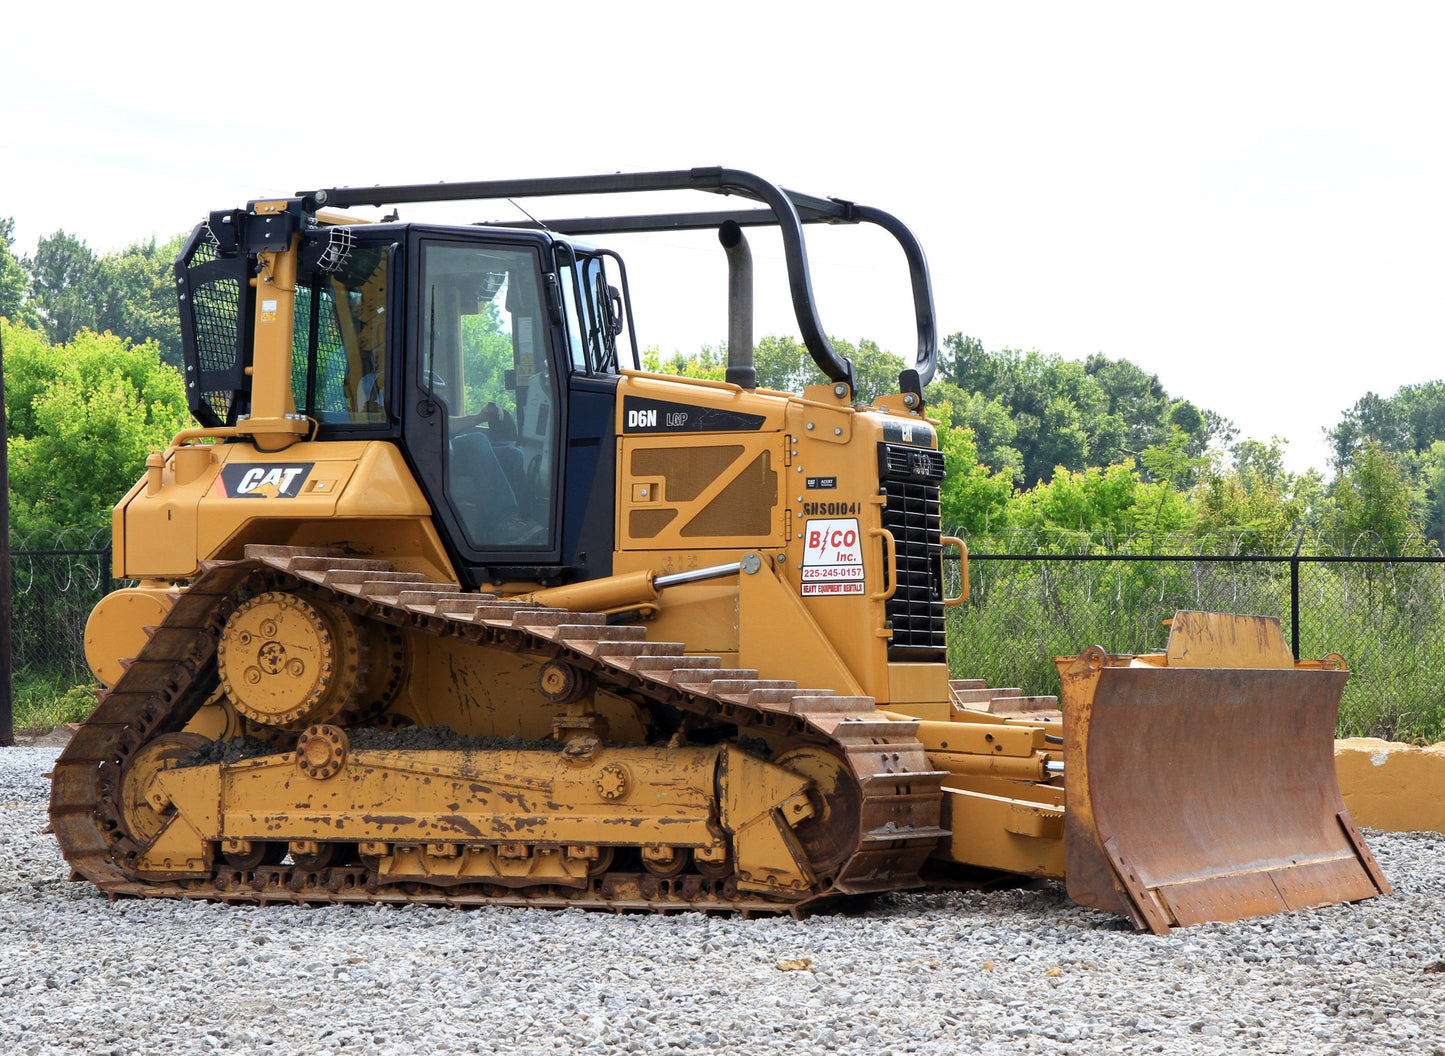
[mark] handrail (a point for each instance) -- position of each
(890, 563)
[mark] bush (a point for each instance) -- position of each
(41, 702)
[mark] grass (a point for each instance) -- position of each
(40, 702)
(1389, 626)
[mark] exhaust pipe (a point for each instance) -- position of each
(740, 306)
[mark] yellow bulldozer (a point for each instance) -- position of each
(445, 600)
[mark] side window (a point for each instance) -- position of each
(338, 363)
(570, 308)
(485, 362)
(594, 310)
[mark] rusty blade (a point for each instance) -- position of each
(1200, 794)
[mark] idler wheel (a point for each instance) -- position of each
(561, 683)
(145, 818)
(715, 870)
(831, 835)
(287, 662)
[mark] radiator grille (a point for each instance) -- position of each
(909, 478)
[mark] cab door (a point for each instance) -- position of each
(484, 427)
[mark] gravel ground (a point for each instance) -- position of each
(1019, 971)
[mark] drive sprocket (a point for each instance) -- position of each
(289, 663)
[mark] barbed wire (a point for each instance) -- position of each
(61, 540)
(60, 561)
(1305, 543)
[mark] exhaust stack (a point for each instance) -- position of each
(740, 306)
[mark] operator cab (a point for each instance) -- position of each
(491, 354)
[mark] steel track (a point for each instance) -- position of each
(893, 831)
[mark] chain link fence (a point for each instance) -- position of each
(1033, 598)
(55, 580)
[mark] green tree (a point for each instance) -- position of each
(14, 280)
(1407, 426)
(1170, 461)
(875, 372)
(974, 501)
(1251, 499)
(992, 425)
(1071, 414)
(1373, 501)
(31, 365)
(137, 295)
(94, 409)
(783, 363)
(1405, 423)
(1430, 470)
(1113, 501)
(707, 363)
(64, 286)
(1052, 402)
(964, 362)
(1136, 406)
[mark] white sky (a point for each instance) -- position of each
(1243, 198)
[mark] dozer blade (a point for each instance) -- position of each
(1202, 791)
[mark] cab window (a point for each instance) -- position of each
(338, 362)
(593, 308)
(485, 368)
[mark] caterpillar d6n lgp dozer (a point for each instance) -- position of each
(444, 602)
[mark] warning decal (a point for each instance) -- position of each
(832, 558)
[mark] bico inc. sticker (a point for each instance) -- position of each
(832, 557)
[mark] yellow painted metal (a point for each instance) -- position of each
(1392, 786)
(695, 499)
(957, 544)
(1206, 792)
(700, 492)
(1016, 768)
(762, 804)
(990, 739)
(1214, 639)
(285, 662)
(688, 497)
(609, 594)
(120, 623)
(913, 682)
(356, 494)
(217, 720)
(1000, 808)
(479, 810)
(173, 847)
(778, 637)
(1010, 833)
(273, 421)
